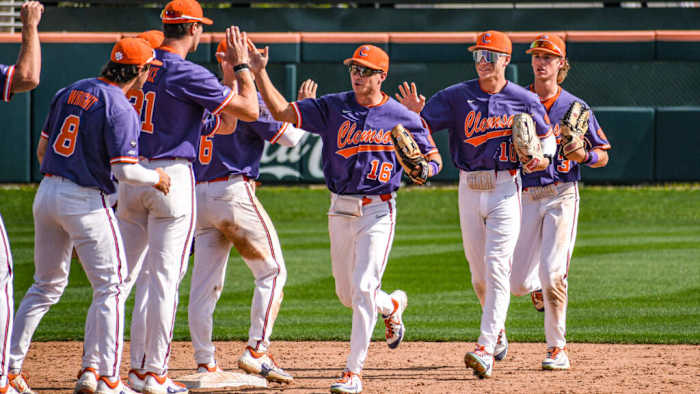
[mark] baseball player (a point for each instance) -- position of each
(551, 203)
(229, 214)
(157, 230)
(20, 77)
(478, 115)
(91, 132)
(363, 174)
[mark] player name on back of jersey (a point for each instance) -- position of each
(82, 99)
(358, 140)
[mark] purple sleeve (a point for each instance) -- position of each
(541, 119)
(6, 75)
(423, 139)
(595, 135)
(267, 127)
(122, 135)
(202, 87)
(312, 114)
(437, 112)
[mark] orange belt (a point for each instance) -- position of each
(384, 197)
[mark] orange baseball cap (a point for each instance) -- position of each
(548, 43)
(493, 40)
(154, 37)
(184, 11)
(369, 56)
(133, 50)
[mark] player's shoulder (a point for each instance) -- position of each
(179, 69)
(520, 92)
(567, 98)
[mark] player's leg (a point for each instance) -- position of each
(471, 222)
(255, 238)
(170, 233)
(559, 226)
(7, 306)
(524, 276)
(502, 229)
(211, 253)
(99, 246)
(375, 235)
(52, 256)
(342, 234)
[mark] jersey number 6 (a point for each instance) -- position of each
(65, 141)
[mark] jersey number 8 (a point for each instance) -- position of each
(66, 139)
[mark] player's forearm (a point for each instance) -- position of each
(596, 158)
(135, 174)
(435, 168)
(28, 66)
(279, 107)
(41, 149)
(244, 105)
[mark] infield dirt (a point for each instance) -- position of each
(421, 367)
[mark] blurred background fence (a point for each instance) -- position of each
(636, 63)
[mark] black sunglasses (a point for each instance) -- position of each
(363, 71)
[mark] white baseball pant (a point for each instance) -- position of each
(543, 252)
(7, 302)
(489, 213)
(157, 230)
(229, 214)
(67, 215)
(360, 247)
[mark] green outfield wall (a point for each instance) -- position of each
(643, 78)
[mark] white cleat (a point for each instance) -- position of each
(556, 359)
(87, 381)
(104, 386)
(350, 382)
(501, 350)
(480, 361)
(210, 367)
(263, 364)
(162, 384)
(395, 329)
(136, 380)
(19, 382)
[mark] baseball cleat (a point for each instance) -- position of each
(87, 381)
(162, 384)
(19, 383)
(538, 300)
(210, 367)
(104, 386)
(501, 350)
(395, 329)
(480, 361)
(350, 382)
(136, 380)
(556, 359)
(263, 364)
(8, 389)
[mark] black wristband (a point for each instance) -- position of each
(239, 67)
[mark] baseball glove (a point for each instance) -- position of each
(409, 155)
(572, 128)
(525, 140)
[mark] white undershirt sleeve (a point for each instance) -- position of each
(135, 174)
(291, 136)
(549, 146)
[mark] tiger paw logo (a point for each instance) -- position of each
(118, 56)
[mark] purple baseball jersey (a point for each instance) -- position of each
(90, 126)
(238, 153)
(480, 123)
(6, 75)
(563, 170)
(173, 102)
(358, 155)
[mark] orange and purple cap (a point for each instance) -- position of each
(135, 51)
(370, 56)
(493, 40)
(548, 43)
(154, 37)
(184, 11)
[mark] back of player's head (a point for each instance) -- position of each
(128, 57)
(493, 40)
(178, 16)
(369, 56)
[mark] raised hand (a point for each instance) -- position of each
(30, 14)
(258, 57)
(236, 46)
(409, 97)
(307, 89)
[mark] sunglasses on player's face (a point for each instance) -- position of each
(489, 56)
(363, 71)
(546, 44)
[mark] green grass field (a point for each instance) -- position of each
(633, 278)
